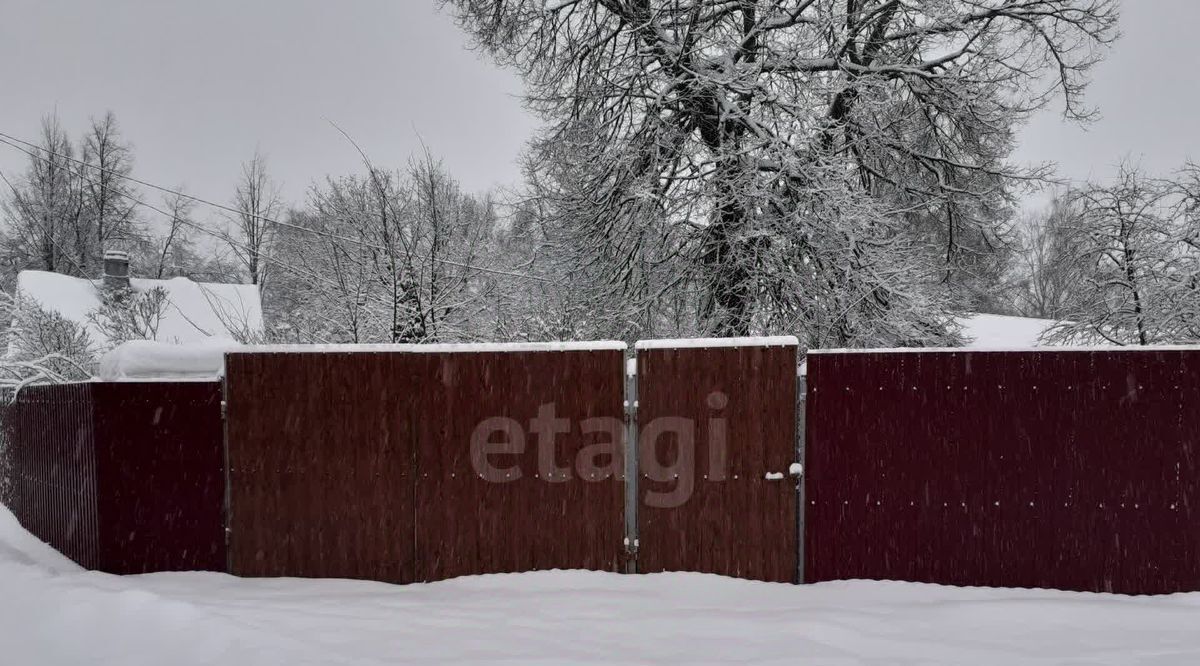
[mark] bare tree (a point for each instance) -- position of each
(108, 195)
(174, 247)
(258, 203)
(71, 204)
(385, 257)
(1136, 261)
(1048, 272)
(44, 213)
(789, 152)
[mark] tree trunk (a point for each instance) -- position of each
(729, 298)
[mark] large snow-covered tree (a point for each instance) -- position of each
(825, 167)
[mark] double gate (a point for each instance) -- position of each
(418, 463)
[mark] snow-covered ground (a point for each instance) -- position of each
(1000, 331)
(53, 613)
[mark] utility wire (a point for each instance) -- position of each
(300, 272)
(304, 273)
(235, 211)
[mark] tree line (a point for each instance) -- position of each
(834, 169)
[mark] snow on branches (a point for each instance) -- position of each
(831, 168)
(1135, 259)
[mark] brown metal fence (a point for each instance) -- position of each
(359, 464)
(50, 444)
(160, 475)
(725, 503)
(1063, 469)
(121, 477)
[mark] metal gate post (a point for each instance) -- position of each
(631, 464)
(801, 424)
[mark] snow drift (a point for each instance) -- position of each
(53, 613)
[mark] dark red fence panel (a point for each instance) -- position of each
(359, 464)
(160, 467)
(51, 450)
(1059, 469)
(321, 459)
(121, 477)
(739, 519)
(550, 505)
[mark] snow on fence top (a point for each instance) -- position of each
(143, 360)
(688, 343)
(441, 348)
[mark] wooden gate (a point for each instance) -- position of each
(717, 436)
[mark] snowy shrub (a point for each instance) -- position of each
(45, 346)
(126, 315)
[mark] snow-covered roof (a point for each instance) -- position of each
(194, 312)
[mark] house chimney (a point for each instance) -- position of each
(116, 269)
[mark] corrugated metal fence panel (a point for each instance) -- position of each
(1069, 469)
(160, 467)
(736, 522)
(359, 464)
(516, 518)
(321, 456)
(54, 468)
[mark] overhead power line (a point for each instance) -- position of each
(299, 272)
(230, 209)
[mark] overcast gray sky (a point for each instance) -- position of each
(196, 85)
